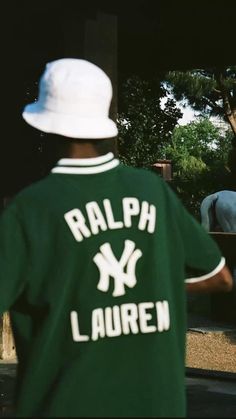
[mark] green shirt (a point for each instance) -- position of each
(93, 261)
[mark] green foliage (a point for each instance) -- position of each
(201, 89)
(194, 147)
(199, 150)
(144, 127)
(199, 153)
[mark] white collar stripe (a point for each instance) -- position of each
(86, 162)
(86, 170)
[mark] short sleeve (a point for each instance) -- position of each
(13, 259)
(203, 258)
(202, 255)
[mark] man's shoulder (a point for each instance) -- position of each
(32, 191)
(140, 173)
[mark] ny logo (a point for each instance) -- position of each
(109, 266)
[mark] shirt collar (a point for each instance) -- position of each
(86, 166)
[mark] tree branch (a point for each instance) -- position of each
(225, 93)
(212, 105)
(227, 102)
(216, 90)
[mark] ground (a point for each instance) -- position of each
(210, 371)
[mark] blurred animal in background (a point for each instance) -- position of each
(218, 211)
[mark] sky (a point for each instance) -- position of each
(188, 115)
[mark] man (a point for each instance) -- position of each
(93, 260)
(218, 211)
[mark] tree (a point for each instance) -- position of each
(199, 150)
(210, 91)
(197, 147)
(144, 127)
(199, 153)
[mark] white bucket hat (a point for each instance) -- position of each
(74, 101)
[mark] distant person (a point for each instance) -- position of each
(218, 211)
(93, 261)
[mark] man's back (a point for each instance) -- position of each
(93, 262)
(100, 319)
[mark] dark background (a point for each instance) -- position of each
(153, 37)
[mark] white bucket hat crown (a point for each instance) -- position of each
(74, 101)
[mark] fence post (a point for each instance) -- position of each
(8, 345)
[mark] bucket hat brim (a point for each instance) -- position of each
(68, 125)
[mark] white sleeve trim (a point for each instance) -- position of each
(209, 275)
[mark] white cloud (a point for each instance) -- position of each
(188, 115)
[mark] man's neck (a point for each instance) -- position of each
(82, 151)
